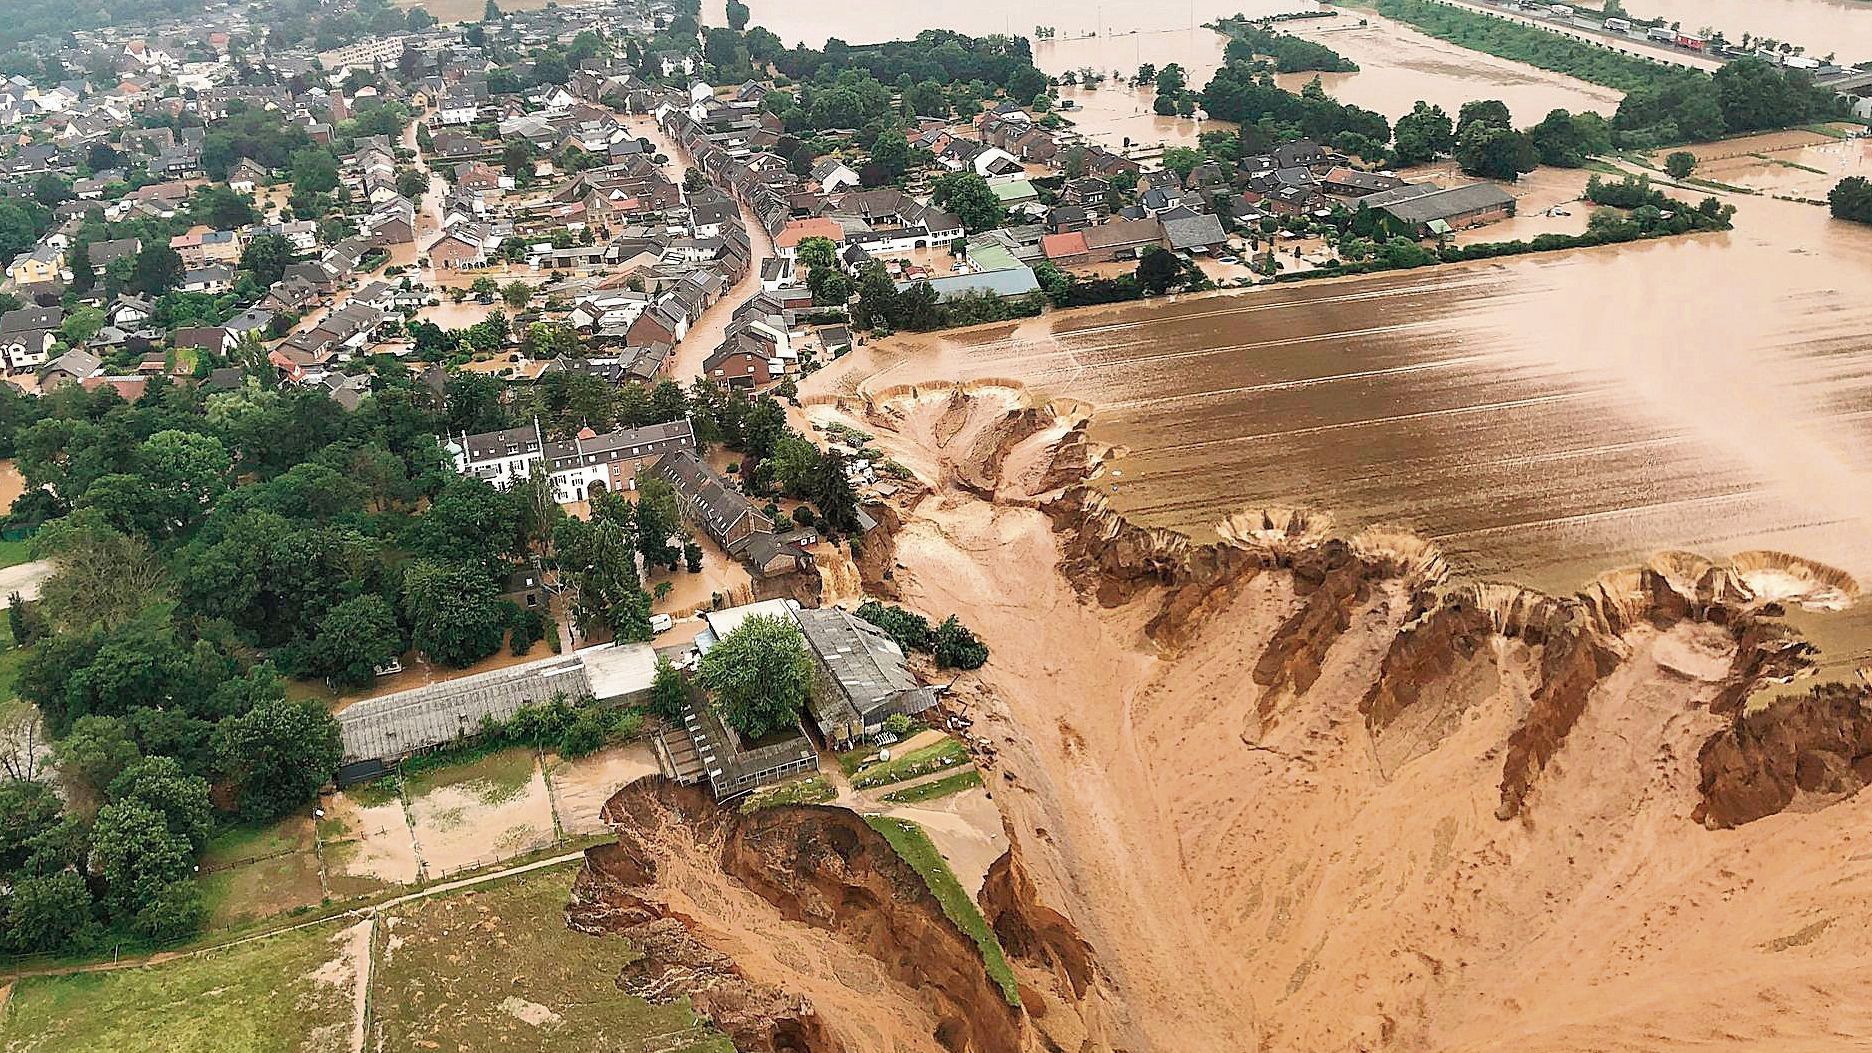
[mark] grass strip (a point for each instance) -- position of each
(935, 788)
(920, 852)
(945, 754)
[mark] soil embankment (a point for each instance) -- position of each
(1288, 790)
(795, 928)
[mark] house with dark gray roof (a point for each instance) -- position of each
(862, 678)
(725, 514)
(1428, 208)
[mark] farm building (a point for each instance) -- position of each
(1431, 209)
(378, 732)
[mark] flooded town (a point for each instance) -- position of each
(711, 525)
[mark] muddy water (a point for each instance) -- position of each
(1114, 114)
(1821, 26)
(1398, 66)
(1543, 418)
(1115, 22)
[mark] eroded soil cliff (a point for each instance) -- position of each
(794, 928)
(1294, 790)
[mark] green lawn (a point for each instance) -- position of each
(935, 788)
(495, 970)
(813, 789)
(945, 754)
(494, 775)
(12, 660)
(285, 994)
(13, 553)
(920, 852)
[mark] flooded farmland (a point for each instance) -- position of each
(1542, 418)
(1398, 66)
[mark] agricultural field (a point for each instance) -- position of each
(495, 970)
(297, 992)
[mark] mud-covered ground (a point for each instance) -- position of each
(1298, 793)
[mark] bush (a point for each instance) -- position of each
(176, 912)
(585, 735)
(957, 647)
(627, 725)
(898, 724)
(529, 627)
(911, 631)
(1680, 163)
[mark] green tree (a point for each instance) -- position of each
(1424, 134)
(793, 464)
(911, 631)
(84, 275)
(957, 647)
(51, 189)
(1158, 269)
(759, 676)
(180, 798)
(598, 559)
(81, 324)
(158, 269)
(28, 809)
(891, 152)
(277, 755)
(267, 256)
(136, 855)
(186, 470)
(737, 15)
(453, 611)
(657, 521)
(829, 488)
(354, 639)
(1482, 111)
(970, 199)
(50, 913)
(1567, 140)
(96, 751)
(1182, 160)
(516, 294)
(668, 690)
(1495, 152)
(177, 910)
(314, 171)
(1851, 199)
(1680, 163)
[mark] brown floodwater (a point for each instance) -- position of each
(1113, 23)
(1398, 66)
(1821, 26)
(1543, 418)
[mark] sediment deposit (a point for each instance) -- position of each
(797, 929)
(1292, 791)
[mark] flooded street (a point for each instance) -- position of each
(1842, 27)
